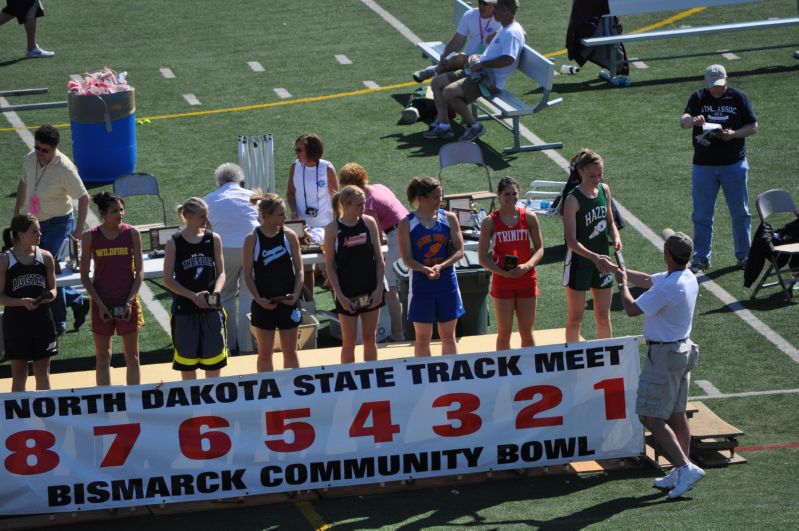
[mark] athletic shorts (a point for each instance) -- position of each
(21, 8)
(514, 288)
(585, 278)
(340, 309)
(199, 341)
(663, 386)
(437, 308)
(471, 89)
(284, 317)
(120, 326)
(30, 348)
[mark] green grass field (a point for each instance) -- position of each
(648, 160)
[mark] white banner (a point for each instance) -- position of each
(318, 427)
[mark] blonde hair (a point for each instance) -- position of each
(191, 205)
(267, 203)
(348, 194)
(354, 174)
(585, 158)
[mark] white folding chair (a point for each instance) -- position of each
(462, 153)
(140, 184)
(541, 190)
(778, 202)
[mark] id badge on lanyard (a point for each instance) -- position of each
(481, 48)
(34, 205)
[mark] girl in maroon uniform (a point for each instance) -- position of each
(513, 284)
(115, 248)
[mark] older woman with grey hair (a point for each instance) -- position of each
(233, 217)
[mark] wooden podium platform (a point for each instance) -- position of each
(239, 365)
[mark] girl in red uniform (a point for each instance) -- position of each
(513, 284)
(115, 248)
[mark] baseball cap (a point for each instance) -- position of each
(494, 2)
(679, 245)
(715, 76)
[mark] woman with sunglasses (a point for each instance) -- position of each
(312, 184)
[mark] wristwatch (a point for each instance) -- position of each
(621, 285)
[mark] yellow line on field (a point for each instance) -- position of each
(679, 16)
(314, 518)
(675, 18)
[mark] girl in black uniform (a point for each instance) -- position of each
(194, 272)
(273, 272)
(27, 285)
(354, 261)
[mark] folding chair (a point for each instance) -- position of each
(456, 153)
(140, 184)
(543, 191)
(778, 202)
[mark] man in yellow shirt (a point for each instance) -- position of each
(46, 191)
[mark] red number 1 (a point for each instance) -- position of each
(615, 407)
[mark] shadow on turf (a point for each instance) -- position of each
(86, 363)
(598, 84)
(461, 507)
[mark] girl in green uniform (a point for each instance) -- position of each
(589, 231)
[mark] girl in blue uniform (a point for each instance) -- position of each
(272, 269)
(354, 263)
(430, 245)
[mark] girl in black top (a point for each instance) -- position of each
(194, 272)
(273, 272)
(27, 286)
(354, 261)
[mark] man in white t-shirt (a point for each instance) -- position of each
(485, 74)
(668, 309)
(475, 30)
(233, 217)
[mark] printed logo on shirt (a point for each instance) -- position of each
(270, 255)
(111, 251)
(512, 235)
(296, 315)
(354, 241)
(599, 229)
(321, 183)
(33, 279)
(433, 243)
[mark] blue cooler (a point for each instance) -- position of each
(103, 135)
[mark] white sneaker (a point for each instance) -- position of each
(668, 481)
(424, 74)
(439, 131)
(37, 53)
(688, 476)
(473, 132)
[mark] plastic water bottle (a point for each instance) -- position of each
(539, 204)
(482, 215)
(475, 219)
(569, 69)
(616, 81)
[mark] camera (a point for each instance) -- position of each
(312, 212)
(212, 299)
(117, 312)
(360, 302)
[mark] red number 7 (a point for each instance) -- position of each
(121, 446)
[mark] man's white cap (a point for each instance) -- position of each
(715, 76)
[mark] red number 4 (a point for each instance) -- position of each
(382, 430)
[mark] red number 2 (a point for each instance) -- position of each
(121, 446)
(551, 396)
(45, 459)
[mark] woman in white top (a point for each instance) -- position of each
(312, 184)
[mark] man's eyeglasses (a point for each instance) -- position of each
(42, 149)
(298, 150)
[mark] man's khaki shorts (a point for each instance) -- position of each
(663, 386)
(471, 89)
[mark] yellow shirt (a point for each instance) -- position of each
(55, 184)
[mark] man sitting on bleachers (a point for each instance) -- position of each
(485, 75)
(475, 29)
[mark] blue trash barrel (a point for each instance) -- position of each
(103, 135)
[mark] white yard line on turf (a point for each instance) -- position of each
(370, 84)
(708, 387)
(732, 304)
(145, 294)
(255, 66)
(746, 393)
